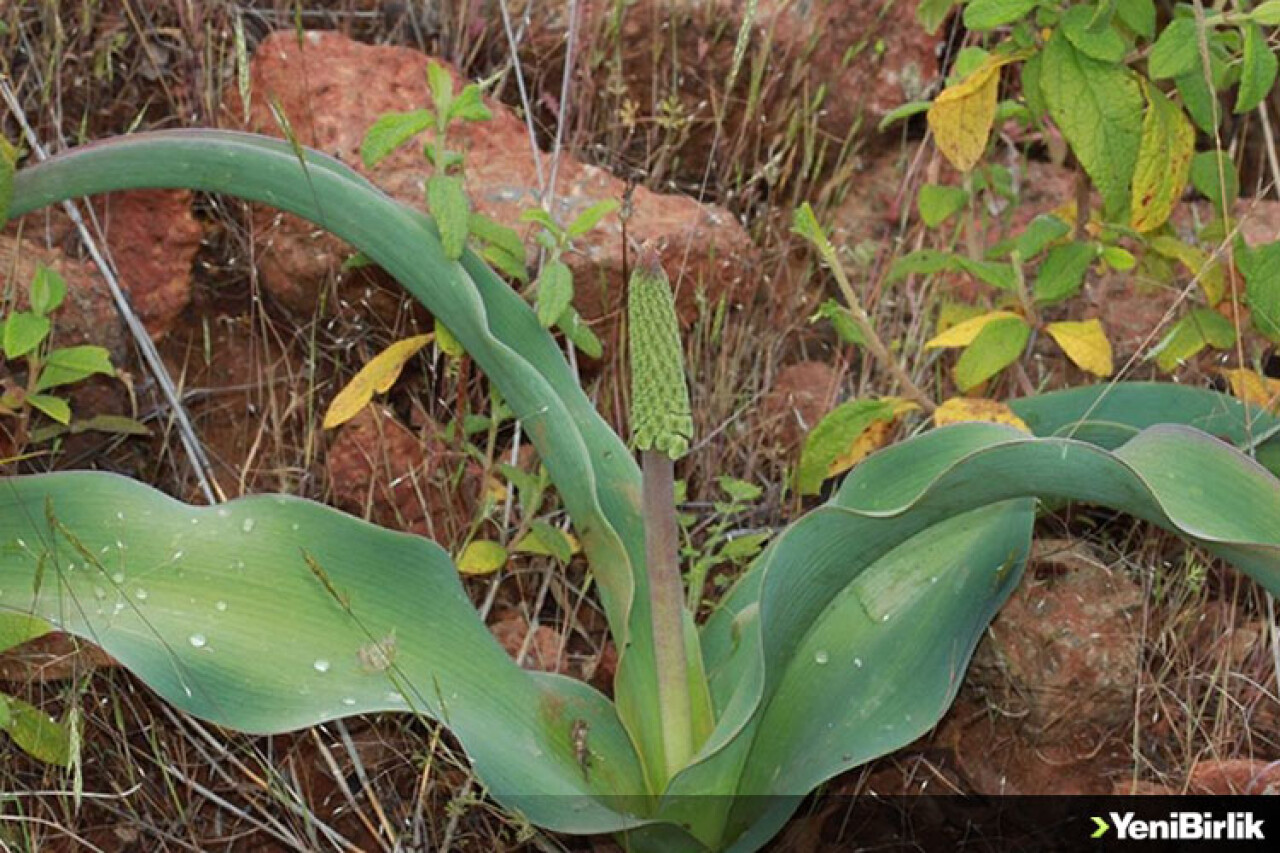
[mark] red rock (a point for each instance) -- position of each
(152, 237)
(1066, 645)
(1141, 788)
(379, 468)
(1235, 776)
(801, 394)
(544, 651)
(332, 89)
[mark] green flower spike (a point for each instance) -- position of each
(661, 418)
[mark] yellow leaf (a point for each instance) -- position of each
(449, 345)
(961, 117)
(1209, 274)
(962, 334)
(1164, 161)
(1085, 343)
(482, 557)
(872, 438)
(959, 410)
(376, 377)
(495, 490)
(531, 543)
(1249, 387)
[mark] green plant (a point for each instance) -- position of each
(1128, 98)
(846, 638)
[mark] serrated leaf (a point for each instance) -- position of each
(1062, 273)
(71, 364)
(1213, 174)
(998, 345)
(841, 320)
(35, 732)
(937, 203)
(1176, 51)
(1257, 71)
(591, 217)
(555, 293)
(804, 222)
(1039, 233)
(739, 491)
(23, 332)
(838, 439)
(989, 14)
(55, 407)
(958, 410)
(1199, 100)
(440, 82)
(48, 289)
(376, 377)
(481, 557)
(1098, 108)
(965, 332)
(448, 204)
(1138, 15)
(390, 131)
(1085, 343)
(469, 105)
(580, 334)
(1164, 162)
(962, 115)
(1198, 329)
(1079, 23)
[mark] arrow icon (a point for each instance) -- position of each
(1102, 828)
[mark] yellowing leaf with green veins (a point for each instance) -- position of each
(1249, 387)
(1198, 329)
(959, 410)
(1164, 161)
(1208, 273)
(962, 334)
(838, 441)
(1085, 343)
(997, 346)
(961, 117)
(482, 557)
(545, 540)
(376, 377)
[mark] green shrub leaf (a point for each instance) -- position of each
(23, 332)
(937, 204)
(997, 346)
(555, 293)
(1176, 51)
(989, 14)
(448, 203)
(1062, 273)
(72, 364)
(391, 131)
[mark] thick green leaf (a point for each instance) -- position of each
(1098, 108)
(1062, 273)
(1091, 33)
(937, 203)
(997, 346)
(1138, 15)
(23, 332)
(989, 14)
(555, 292)
(448, 203)
(391, 131)
(48, 289)
(1258, 73)
(33, 730)
(72, 364)
(271, 613)
(1176, 51)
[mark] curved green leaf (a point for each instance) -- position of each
(268, 614)
(595, 472)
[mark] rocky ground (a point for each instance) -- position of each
(1100, 675)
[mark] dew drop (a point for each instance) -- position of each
(197, 640)
(821, 657)
(223, 512)
(884, 618)
(220, 606)
(118, 577)
(321, 665)
(248, 525)
(195, 521)
(347, 700)
(120, 516)
(857, 662)
(178, 555)
(140, 594)
(294, 526)
(99, 593)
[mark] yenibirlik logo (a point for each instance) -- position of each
(1182, 826)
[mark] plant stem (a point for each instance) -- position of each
(1082, 203)
(872, 340)
(666, 606)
